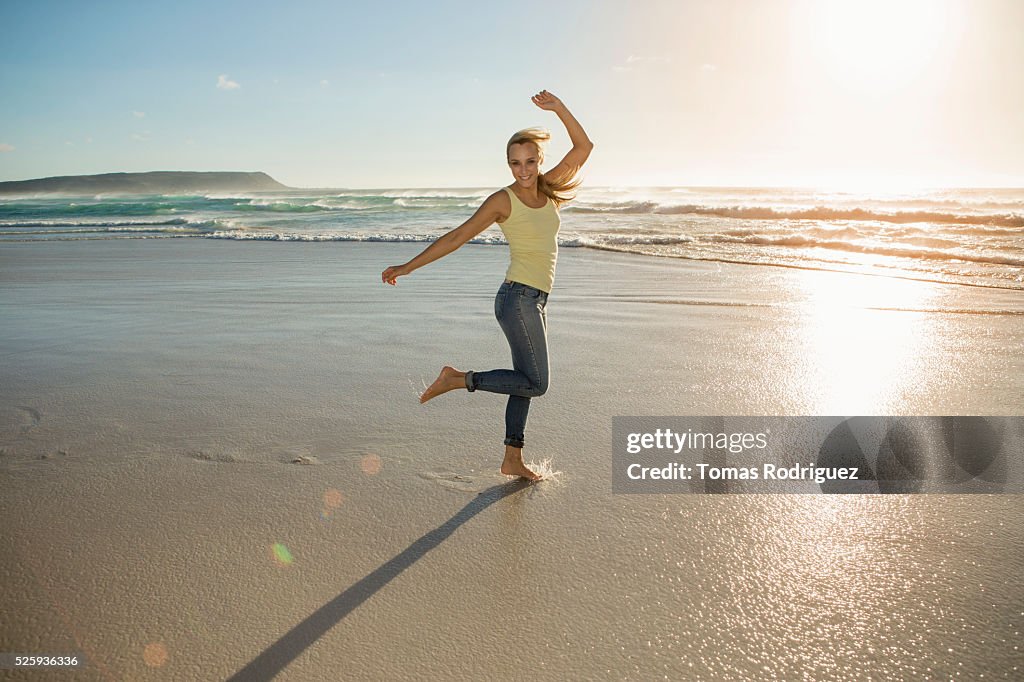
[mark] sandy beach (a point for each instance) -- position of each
(213, 463)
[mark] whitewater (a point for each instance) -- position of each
(963, 236)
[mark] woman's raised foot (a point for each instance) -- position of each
(448, 380)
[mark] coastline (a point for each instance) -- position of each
(175, 409)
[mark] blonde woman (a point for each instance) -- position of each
(527, 211)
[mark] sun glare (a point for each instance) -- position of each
(865, 338)
(881, 44)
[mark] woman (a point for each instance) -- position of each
(527, 211)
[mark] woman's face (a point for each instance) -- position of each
(524, 162)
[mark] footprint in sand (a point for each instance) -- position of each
(222, 457)
(462, 482)
(30, 417)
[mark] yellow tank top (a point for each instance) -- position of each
(531, 235)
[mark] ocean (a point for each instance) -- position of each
(963, 236)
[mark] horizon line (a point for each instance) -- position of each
(827, 185)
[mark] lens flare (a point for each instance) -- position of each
(281, 554)
(155, 655)
(370, 464)
(332, 498)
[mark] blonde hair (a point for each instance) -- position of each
(560, 190)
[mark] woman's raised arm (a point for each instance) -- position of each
(581, 144)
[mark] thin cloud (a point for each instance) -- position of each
(635, 61)
(139, 114)
(650, 59)
(324, 83)
(4, 147)
(225, 83)
(708, 67)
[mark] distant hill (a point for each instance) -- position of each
(157, 182)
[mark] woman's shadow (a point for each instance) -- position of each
(282, 652)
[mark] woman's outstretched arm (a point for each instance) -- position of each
(490, 212)
(581, 144)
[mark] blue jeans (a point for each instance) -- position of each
(520, 312)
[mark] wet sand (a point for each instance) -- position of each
(213, 461)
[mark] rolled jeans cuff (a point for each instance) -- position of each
(514, 442)
(469, 381)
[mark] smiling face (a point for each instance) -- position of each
(524, 161)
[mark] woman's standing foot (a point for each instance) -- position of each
(448, 380)
(513, 464)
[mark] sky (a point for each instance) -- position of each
(858, 94)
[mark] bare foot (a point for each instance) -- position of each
(513, 465)
(448, 380)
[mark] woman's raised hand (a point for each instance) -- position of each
(546, 101)
(392, 273)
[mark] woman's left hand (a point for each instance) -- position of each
(546, 101)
